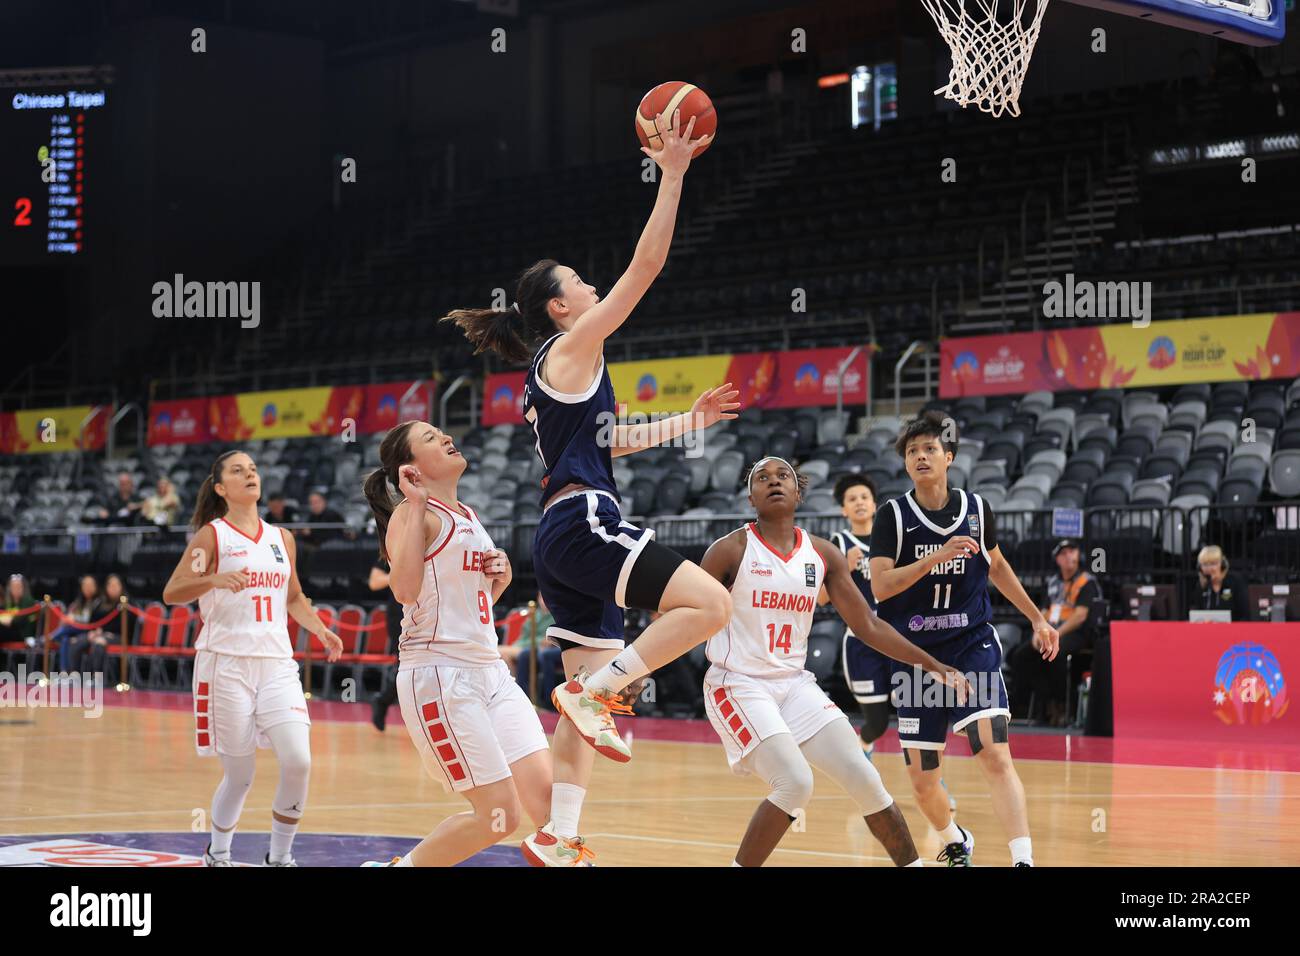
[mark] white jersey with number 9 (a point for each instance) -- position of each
(451, 621)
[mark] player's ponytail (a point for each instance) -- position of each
(394, 452)
(209, 504)
(513, 333)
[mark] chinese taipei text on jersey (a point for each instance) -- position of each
(948, 613)
(866, 670)
(756, 685)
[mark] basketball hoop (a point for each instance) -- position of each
(990, 55)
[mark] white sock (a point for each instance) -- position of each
(620, 672)
(404, 861)
(221, 841)
(952, 833)
(566, 808)
(734, 863)
(1022, 850)
(282, 835)
(916, 862)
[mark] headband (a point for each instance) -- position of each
(750, 477)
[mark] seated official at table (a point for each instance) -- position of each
(1220, 589)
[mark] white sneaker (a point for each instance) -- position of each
(591, 711)
(544, 848)
(266, 861)
(210, 860)
(392, 862)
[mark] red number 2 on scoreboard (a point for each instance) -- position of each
(783, 642)
(24, 207)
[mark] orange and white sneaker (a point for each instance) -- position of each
(544, 848)
(591, 710)
(393, 862)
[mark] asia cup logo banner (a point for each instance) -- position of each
(1122, 354)
(289, 413)
(39, 430)
(1248, 686)
(796, 378)
(1215, 683)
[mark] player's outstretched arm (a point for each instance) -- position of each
(299, 605)
(871, 630)
(714, 405)
(1005, 580)
(586, 340)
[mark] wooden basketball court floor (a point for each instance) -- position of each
(1092, 801)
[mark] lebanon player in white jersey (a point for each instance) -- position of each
(773, 719)
(475, 729)
(243, 571)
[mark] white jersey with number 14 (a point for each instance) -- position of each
(773, 599)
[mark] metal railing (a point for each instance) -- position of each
(1122, 545)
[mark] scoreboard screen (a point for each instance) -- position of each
(48, 144)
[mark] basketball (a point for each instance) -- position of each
(676, 95)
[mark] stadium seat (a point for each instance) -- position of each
(1152, 491)
(1284, 473)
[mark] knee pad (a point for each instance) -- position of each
(998, 727)
(792, 790)
(876, 720)
(868, 790)
(929, 758)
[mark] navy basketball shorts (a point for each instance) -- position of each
(866, 671)
(584, 555)
(925, 711)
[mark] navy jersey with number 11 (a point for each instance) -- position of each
(953, 599)
(573, 430)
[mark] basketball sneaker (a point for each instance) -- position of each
(544, 848)
(210, 860)
(393, 862)
(266, 861)
(591, 710)
(958, 854)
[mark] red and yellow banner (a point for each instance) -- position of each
(791, 379)
(287, 413)
(1177, 352)
(39, 430)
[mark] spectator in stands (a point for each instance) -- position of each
(88, 650)
(322, 513)
(1071, 596)
(122, 507)
(549, 665)
(1221, 590)
(164, 505)
(387, 697)
(17, 597)
(86, 606)
(280, 512)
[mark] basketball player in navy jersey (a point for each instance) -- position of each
(866, 670)
(934, 552)
(591, 564)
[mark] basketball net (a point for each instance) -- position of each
(990, 56)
